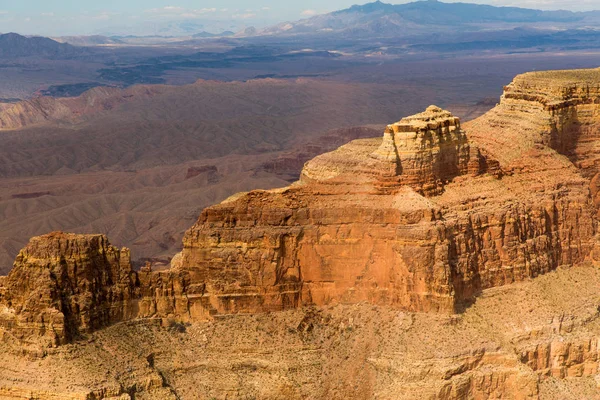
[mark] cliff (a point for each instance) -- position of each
(64, 285)
(434, 216)
(419, 219)
(558, 110)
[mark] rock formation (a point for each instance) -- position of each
(425, 219)
(400, 221)
(63, 285)
(558, 110)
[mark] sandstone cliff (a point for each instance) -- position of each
(433, 216)
(63, 285)
(558, 110)
(419, 220)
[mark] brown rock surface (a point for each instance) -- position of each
(554, 109)
(355, 351)
(116, 162)
(63, 285)
(398, 221)
(431, 217)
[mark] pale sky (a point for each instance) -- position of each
(70, 17)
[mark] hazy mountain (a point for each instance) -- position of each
(88, 40)
(13, 45)
(205, 34)
(424, 16)
(183, 28)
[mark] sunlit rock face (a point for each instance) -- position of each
(421, 219)
(64, 285)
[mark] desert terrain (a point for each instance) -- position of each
(115, 161)
(133, 136)
(437, 260)
(380, 202)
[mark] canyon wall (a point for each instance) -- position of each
(374, 258)
(64, 285)
(422, 219)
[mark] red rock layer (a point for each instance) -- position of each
(358, 227)
(337, 237)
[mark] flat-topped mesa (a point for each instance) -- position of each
(555, 89)
(424, 151)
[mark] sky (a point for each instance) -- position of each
(143, 17)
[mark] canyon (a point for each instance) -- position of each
(439, 260)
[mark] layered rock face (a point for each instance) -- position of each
(63, 285)
(423, 151)
(419, 220)
(555, 109)
(354, 228)
(422, 219)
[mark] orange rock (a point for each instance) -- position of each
(422, 219)
(63, 285)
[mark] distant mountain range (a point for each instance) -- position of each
(13, 45)
(430, 26)
(420, 17)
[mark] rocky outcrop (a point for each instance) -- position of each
(562, 359)
(559, 110)
(354, 228)
(419, 220)
(423, 151)
(65, 285)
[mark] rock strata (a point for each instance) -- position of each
(64, 285)
(423, 151)
(427, 218)
(421, 219)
